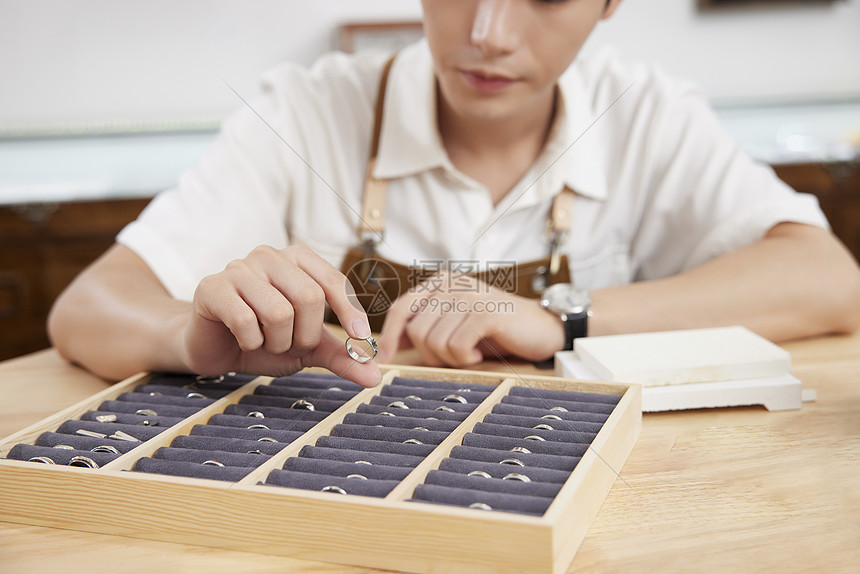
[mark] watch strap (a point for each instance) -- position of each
(575, 326)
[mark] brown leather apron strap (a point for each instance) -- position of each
(372, 224)
(561, 216)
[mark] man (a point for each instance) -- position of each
(479, 134)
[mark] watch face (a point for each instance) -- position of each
(565, 299)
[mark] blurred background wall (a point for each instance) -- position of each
(163, 61)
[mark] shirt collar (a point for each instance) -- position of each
(410, 143)
(409, 139)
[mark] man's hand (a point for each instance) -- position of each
(457, 320)
(264, 314)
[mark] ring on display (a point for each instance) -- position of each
(516, 476)
(480, 473)
(83, 461)
(336, 489)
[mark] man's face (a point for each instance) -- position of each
(495, 59)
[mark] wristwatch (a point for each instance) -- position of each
(572, 305)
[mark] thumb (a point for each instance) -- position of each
(331, 354)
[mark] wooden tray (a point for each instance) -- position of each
(388, 532)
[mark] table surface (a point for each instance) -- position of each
(738, 489)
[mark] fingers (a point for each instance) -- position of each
(331, 354)
(394, 336)
(337, 291)
(441, 335)
(292, 317)
(305, 283)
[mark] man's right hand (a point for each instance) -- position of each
(262, 314)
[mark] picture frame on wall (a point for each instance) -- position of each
(709, 5)
(388, 36)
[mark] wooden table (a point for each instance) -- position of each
(724, 490)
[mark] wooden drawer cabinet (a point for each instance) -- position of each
(42, 248)
(837, 186)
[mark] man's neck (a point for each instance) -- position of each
(496, 153)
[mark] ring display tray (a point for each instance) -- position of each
(442, 469)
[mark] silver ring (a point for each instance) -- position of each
(535, 437)
(413, 397)
(210, 379)
(336, 489)
(363, 462)
(480, 506)
(552, 418)
(445, 409)
(480, 473)
(388, 414)
(146, 413)
(397, 405)
(430, 419)
(512, 461)
(516, 476)
(106, 418)
(464, 390)
(105, 448)
(560, 409)
(83, 461)
(258, 426)
(255, 451)
(212, 463)
(266, 439)
(412, 441)
(455, 399)
(543, 427)
(147, 423)
(120, 435)
(256, 415)
(360, 476)
(195, 396)
(303, 405)
(421, 429)
(354, 354)
(89, 433)
(64, 447)
(521, 450)
(42, 459)
(155, 394)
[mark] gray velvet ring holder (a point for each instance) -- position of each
(350, 455)
(297, 424)
(550, 406)
(414, 413)
(406, 422)
(344, 469)
(130, 419)
(308, 481)
(552, 461)
(161, 410)
(496, 470)
(519, 410)
(58, 455)
(497, 501)
(454, 480)
(275, 412)
(191, 469)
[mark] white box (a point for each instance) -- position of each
(688, 369)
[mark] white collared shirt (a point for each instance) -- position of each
(660, 186)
